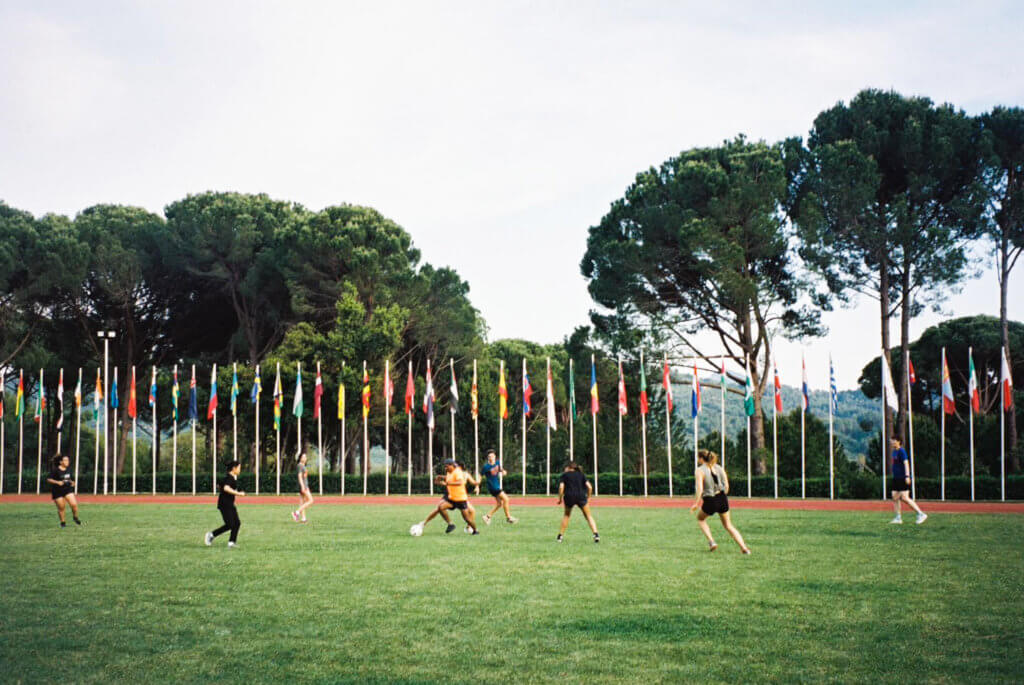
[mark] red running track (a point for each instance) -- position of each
(739, 502)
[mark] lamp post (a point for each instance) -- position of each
(107, 336)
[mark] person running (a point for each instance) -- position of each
(305, 496)
(226, 503)
(712, 487)
(901, 483)
(574, 491)
(456, 497)
(62, 490)
(493, 472)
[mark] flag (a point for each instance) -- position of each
(78, 391)
(175, 394)
(278, 397)
(19, 399)
(666, 382)
(891, 398)
(453, 390)
(778, 387)
(833, 392)
(389, 385)
(152, 392)
(3, 382)
(297, 406)
(318, 393)
(257, 388)
(40, 402)
(113, 392)
(527, 391)
(60, 400)
(572, 393)
(644, 407)
(410, 392)
(748, 393)
(428, 399)
(193, 401)
(972, 383)
(474, 400)
(234, 391)
(910, 371)
(341, 398)
(550, 400)
(366, 393)
(805, 394)
(595, 404)
(695, 403)
(133, 404)
(948, 403)
(1006, 382)
(623, 407)
(97, 397)
(502, 395)
(211, 406)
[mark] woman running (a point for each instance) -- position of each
(493, 472)
(901, 483)
(305, 496)
(62, 489)
(456, 497)
(712, 498)
(574, 491)
(226, 504)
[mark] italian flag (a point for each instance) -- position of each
(972, 383)
(1006, 383)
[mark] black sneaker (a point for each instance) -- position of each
(78, 521)
(558, 539)
(450, 528)
(63, 525)
(476, 532)
(597, 538)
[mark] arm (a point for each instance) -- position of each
(561, 491)
(590, 490)
(699, 486)
(906, 468)
(231, 491)
(725, 484)
(52, 481)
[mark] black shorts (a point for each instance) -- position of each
(571, 502)
(461, 506)
(57, 494)
(494, 493)
(900, 486)
(718, 504)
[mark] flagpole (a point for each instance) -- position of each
(60, 387)
(213, 458)
(746, 367)
(319, 433)
(524, 429)
(174, 437)
(113, 453)
(39, 452)
(96, 457)
(135, 435)
(3, 424)
(476, 426)
(298, 419)
(622, 384)
(970, 402)
(721, 362)
(430, 432)
(21, 427)
(643, 432)
(387, 427)
(408, 451)
(366, 445)
(256, 455)
(234, 414)
(1002, 427)
(885, 415)
(78, 428)
(668, 434)
(277, 425)
(192, 389)
(451, 367)
(696, 417)
(775, 433)
(547, 479)
(593, 416)
(942, 432)
(804, 402)
(501, 432)
(153, 470)
(831, 439)
(572, 415)
(343, 434)
(910, 426)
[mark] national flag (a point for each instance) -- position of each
(474, 399)
(833, 391)
(366, 393)
(695, 402)
(193, 400)
(60, 400)
(572, 393)
(278, 398)
(133, 402)
(889, 390)
(666, 383)
(389, 385)
(410, 392)
(40, 401)
(257, 388)
(910, 371)
(97, 397)
(318, 393)
(550, 400)
(748, 393)
(428, 399)
(502, 395)
(972, 382)
(948, 403)
(19, 399)
(453, 390)
(341, 398)
(644, 407)
(211, 406)
(623, 406)
(113, 392)
(527, 391)
(152, 392)
(78, 391)
(3, 382)
(778, 387)
(805, 393)
(234, 391)
(1006, 382)
(595, 403)
(175, 394)
(297, 405)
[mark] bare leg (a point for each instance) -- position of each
(497, 505)
(590, 519)
(307, 501)
(70, 497)
(702, 521)
(565, 521)
(504, 505)
(913, 505)
(727, 522)
(440, 510)
(469, 516)
(896, 504)
(60, 509)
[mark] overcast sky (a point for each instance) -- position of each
(495, 133)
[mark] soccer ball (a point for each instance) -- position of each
(468, 530)
(416, 530)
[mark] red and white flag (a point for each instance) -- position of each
(1006, 383)
(318, 392)
(622, 392)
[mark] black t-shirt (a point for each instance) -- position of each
(575, 485)
(65, 478)
(226, 499)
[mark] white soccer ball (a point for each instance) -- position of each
(416, 530)
(468, 530)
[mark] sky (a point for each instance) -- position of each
(495, 133)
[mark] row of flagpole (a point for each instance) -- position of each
(889, 402)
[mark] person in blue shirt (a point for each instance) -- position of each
(493, 472)
(901, 483)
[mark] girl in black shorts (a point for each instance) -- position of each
(574, 491)
(62, 489)
(712, 498)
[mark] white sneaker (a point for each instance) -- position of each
(513, 519)
(921, 518)
(208, 539)
(897, 520)
(231, 544)
(487, 519)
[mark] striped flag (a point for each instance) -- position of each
(474, 399)
(318, 393)
(366, 393)
(234, 391)
(133, 403)
(40, 401)
(1006, 382)
(550, 400)
(644, 407)
(666, 382)
(60, 400)
(19, 399)
(97, 397)
(193, 400)
(805, 393)
(175, 394)
(428, 399)
(572, 393)
(527, 391)
(297, 405)
(889, 390)
(152, 391)
(595, 403)
(972, 382)
(695, 402)
(3, 382)
(623, 405)
(278, 399)
(502, 395)
(748, 393)
(257, 388)
(78, 391)
(410, 392)
(778, 387)
(948, 402)
(211, 406)
(113, 392)
(453, 391)
(833, 391)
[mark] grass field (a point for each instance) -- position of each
(351, 597)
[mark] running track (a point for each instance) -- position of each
(738, 502)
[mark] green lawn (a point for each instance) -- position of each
(351, 597)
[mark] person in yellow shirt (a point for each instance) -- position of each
(456, 497)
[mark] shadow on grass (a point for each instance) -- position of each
(643, 627)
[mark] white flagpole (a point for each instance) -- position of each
(3, 424)
(256, 455)
(619, 412)
(885, 415)
(366, 445)
(721, 366)
(593, 416)
(153, 471)
(96, 458)
(831, 438)
(343, 436)
(113, 461)
(21, 430)
(193, 431)
(1002, 429)
(524, 432)
(430, 437)
(174, 439)
(547, 480)
(280, 409)
(775, 434)
(213, 459)
(39, 453)
(135, 433)
(298, 419)
(746, 367)
(408, 451)
(643, 432)
(387, 427)
(696, 419)
(804, 399)
(234, 414)
(668, 436)
(501, 429)
(60, 383)
(320, 433)
(910, 427)
(78, 431)
(476, 427)
(572, 418)
(970, 406)
(451, 367)
(942, 434)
